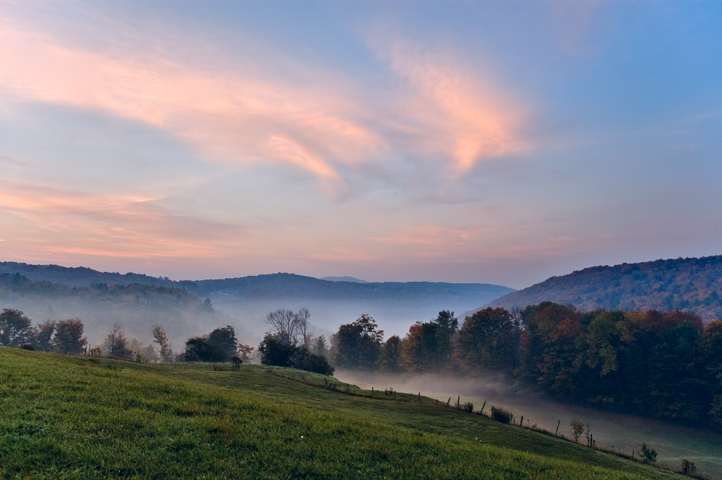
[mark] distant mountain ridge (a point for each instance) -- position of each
(344, 279)
(395, 305)
(692, 284)
(258, 286)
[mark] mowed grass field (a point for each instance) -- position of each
(77, 417)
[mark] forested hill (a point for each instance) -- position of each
(79, 276)
(284, 285)
(691, 284)
(134, 306)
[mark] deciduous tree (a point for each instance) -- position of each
(358, 344)
(226, 339)
(199, 349)
(160, 337)
(488, 340)
(115, 344)
(44, 336)
(15, 329)
(391, 355)
(286, 325)
(69, 338)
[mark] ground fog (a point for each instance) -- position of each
(617, 431)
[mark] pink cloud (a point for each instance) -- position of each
(226, 116)
(447, 111)
(454, 111)
(112, 226)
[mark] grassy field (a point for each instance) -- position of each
(612, 430)
(77, 417)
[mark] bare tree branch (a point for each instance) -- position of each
(285, 322)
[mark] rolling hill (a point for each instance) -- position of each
(395, 305)
(136, 307)
(692, 284)
(277, 285)
(87, 417)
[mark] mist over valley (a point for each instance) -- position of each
(136, 301)
(612, 430)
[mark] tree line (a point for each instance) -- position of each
(664, 364)
(64, 336)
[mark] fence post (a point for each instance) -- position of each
(557, 432)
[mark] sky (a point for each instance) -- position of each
(497, 142)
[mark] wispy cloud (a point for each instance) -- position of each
(455, 112)
(225, 116)
(326, 126)
(115, 226)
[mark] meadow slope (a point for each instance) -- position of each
(77, 417)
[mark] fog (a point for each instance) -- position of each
(183, 319)
(186, 317)
(621, 432)
(135, 320)
(393, 317)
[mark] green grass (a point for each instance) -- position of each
(72, 417)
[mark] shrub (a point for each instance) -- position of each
(203, 350)
(649, 455)
(688, 467)
(276, 352)
(315, 363)
(501, 415)
(468, 407)
(577, 428)
(237, 361)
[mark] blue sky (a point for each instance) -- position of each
(497, 142)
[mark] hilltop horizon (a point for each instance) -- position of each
(7, 266)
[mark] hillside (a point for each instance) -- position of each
(278, 285)
(134, 306)
(344, 279)
(81, 417)
(395, 305)
(692, 284)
